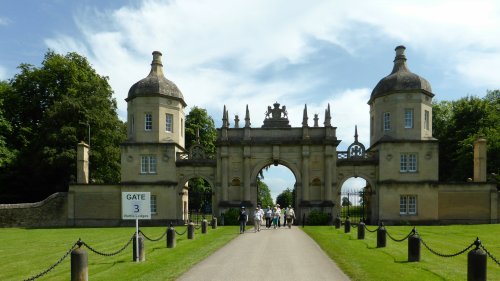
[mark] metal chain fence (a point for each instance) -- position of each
(182, 233)
(490, 255)
(399, 240)
(107, 254)
(372, 230)
(153, 240)
(446, 255)
(52, 266)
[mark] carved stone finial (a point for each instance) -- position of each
(236, 121)
(247, 118)
(304, 117)
(316, 119)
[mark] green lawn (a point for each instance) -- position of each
(361, 260)
(27, 252)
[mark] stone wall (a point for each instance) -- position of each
(53, 211)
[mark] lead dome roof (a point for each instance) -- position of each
(401, 79)
(155, 83)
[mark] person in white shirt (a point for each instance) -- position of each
(257, 218)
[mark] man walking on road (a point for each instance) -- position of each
(243, 219)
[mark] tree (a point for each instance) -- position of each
(346, 202)
(286, 198)
(51, 108)
(198, 119)
(200, 192)
(7, 154)
(264, 194)
(457, 125)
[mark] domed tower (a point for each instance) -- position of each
(155, 118)
(155, 108)
(401, 105)
(401, 124)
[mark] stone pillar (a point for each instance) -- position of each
(246, 173)
(480, 160)
(328, 172)
(224, 172)
(305, 173)
(82, 164)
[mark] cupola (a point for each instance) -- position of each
(155, 84)
(401, 79)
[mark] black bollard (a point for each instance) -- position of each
(381, 236)
(142, 252)
(204, 226)
(337, 222)
(79, 265)
(303, 220)
(476, 263)
(361, 230)
(414, 247)
(214, 223)
(347, 225)
(170, 237)
(190, 230)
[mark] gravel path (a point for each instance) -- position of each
(271, 254)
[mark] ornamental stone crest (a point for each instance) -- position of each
(276, 117)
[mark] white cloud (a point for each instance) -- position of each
(215, 50)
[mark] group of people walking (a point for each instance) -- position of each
(271, 215)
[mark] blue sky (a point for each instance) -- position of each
(258, 52)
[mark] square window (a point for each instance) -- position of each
(408, 205)
(148, 164)
(408, 163)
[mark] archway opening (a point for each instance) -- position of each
(276, 185)
(199, 202)
(354, 200)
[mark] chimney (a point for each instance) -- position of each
(82, 164)
(480, 160)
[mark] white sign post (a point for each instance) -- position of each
(136, 206)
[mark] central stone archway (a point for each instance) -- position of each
(309, 152)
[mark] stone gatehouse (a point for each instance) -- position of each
(400, 164)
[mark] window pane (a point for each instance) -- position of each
(408, 118)
(144, 164)
(387, 121)
(148, 122)
(169, 119)
(153, 204)
(402, 205)
(412, 204)
(403, 163)
(152, 164)
(412, 162)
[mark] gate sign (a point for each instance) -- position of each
(136, 205)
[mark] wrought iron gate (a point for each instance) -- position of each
(355, 205)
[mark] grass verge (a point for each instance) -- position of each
(362, 260)
(27, 252)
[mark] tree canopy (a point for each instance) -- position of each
(200, 192)
(457, 124)
(50, 109)
(286, 198)
(264, 194)
(198, 119)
